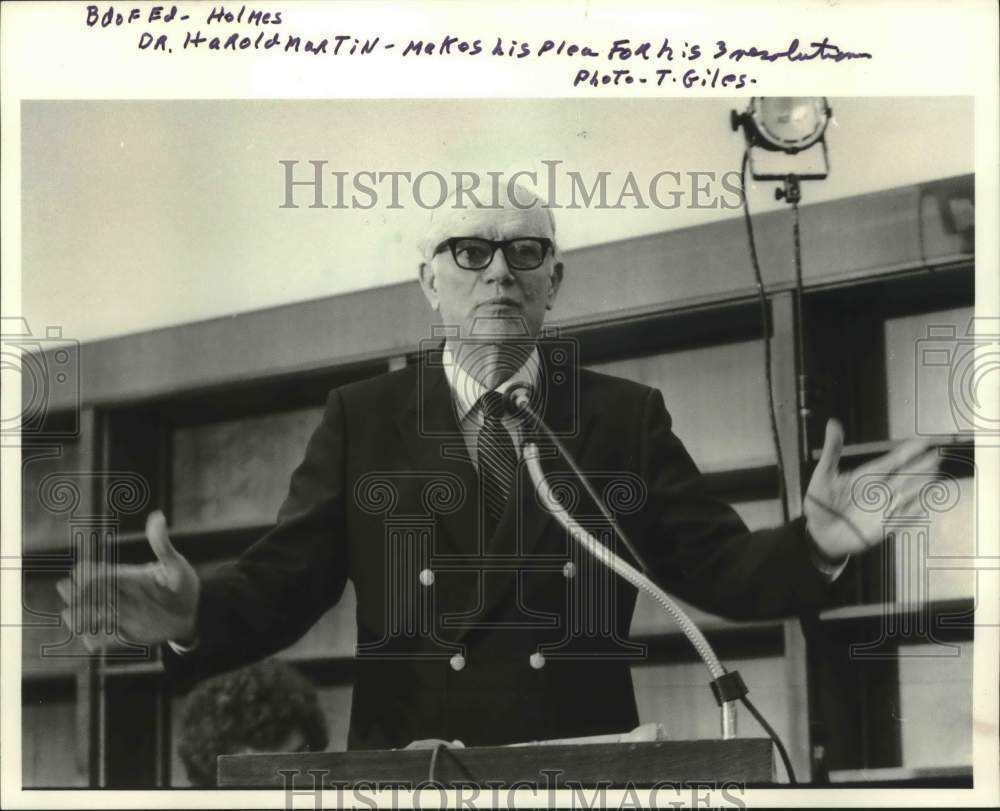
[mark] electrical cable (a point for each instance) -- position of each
(773, 736)
(438, 748)
(766, 326)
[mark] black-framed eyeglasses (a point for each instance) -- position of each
(476, 253)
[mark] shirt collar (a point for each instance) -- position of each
(466, 390)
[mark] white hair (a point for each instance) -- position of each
(516, 197)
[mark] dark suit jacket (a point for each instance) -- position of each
(387, 496)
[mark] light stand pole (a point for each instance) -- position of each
(789, 125)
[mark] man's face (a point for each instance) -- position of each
(497, 301)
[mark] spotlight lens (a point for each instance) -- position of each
(790, 123)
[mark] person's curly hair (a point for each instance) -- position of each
(256, 707)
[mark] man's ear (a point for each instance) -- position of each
(428, 283)
(555, 280)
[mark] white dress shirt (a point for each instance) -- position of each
(466, 391)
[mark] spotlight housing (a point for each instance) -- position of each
(789, 124)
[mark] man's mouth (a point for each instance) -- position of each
(501, 302)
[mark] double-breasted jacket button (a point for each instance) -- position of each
(569, 570)
(426, 577)
(537, 661)
(457, 662)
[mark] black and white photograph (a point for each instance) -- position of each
(622, 443)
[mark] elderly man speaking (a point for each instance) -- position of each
(475, 610)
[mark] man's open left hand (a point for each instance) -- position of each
(835, 520)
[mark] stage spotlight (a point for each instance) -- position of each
(789, 124)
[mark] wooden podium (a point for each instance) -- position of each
(748, 761)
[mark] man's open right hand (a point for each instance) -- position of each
(150, 603)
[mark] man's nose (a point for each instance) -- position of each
(497, 270)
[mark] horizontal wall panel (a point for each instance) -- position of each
(46, 519)
(236, 472)
(935, 705)
(935, 551)
(48, 648)
(907, 227)
(713, 394)
(48, 744)
(929, 360)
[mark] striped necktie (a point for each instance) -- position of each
(497, 459)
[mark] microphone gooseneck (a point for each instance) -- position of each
(724, 684)
(727, 686)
